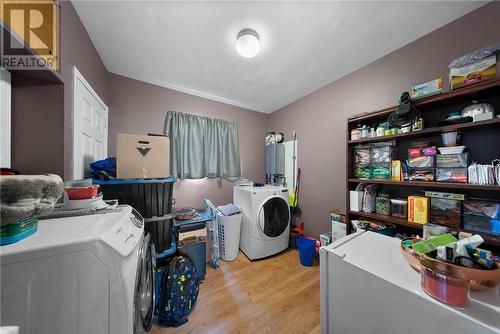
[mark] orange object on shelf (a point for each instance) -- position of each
(82, 192)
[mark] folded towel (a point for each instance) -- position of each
(229, 209)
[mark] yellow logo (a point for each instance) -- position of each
(29, 37)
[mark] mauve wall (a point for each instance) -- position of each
(320, 118)
(77, 50)
(137, 107)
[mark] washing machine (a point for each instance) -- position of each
(86, 274)
(265, 226)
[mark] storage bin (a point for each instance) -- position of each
(423, 161)
(446, 212)
(229, 236)
(452, 160)
(482, 216)
(458, 175)
(151, 197)
(160, 229)
(421, 174)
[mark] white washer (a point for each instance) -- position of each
(265, 226)
(87, 274)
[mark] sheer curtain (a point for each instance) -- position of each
(202, 147)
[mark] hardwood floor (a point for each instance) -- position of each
(274, 295)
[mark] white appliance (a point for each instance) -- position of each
(86, 274)
(368, 287)
(265, 226)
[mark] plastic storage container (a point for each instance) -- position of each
(150, 197)
(229, 236)
(399, 207)
(482, 216)
(458, 175)
(160, 229)
(383, 204)
(452, 160)
(12, 233)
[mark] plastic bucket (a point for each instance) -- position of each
(306, 250)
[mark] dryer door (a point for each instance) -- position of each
(274, 216)
(144, 301)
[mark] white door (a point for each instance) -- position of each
(90, 126)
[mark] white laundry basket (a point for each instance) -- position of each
(229, 236)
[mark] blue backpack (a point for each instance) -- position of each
(177, 291)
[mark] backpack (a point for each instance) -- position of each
(177, 291)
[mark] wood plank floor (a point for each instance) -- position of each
(274, 295)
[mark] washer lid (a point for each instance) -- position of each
(274, 216)
(62, 235)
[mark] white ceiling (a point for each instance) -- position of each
(190, 46)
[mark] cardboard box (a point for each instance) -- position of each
(473, 73)
(418, 209)
(142, 157)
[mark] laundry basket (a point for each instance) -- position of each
(229, 236)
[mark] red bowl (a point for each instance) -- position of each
(82, 192)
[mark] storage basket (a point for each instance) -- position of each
(229, 236)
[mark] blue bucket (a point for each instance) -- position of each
(306, 250)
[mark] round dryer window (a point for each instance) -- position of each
(274, 216)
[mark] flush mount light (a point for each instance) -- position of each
(248, 43)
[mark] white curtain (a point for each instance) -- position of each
(202, 147)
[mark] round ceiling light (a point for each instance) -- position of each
(248, 43)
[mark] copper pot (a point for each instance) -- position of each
(479, 279)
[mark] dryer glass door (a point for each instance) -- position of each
(144, 287)
(274, 216)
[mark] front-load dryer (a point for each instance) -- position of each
(265, 226)
(87, 274)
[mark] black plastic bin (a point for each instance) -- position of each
(149, 198)
(160, 229)
(152, 198)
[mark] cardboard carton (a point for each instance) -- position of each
(142, 157)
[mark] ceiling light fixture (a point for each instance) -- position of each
(248, 43)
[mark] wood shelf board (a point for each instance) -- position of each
(443, 97)
(428, 131)
(424, 184)
(387, 219)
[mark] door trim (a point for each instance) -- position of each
(78, 76)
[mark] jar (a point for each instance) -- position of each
(418, 125)
(355, 134)
(383, 204)
(364, 132)
(399, 207)
(380, 130)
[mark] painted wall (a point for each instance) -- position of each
(320, 118)
(137, 107)
(77, 50)
(37, 126)
(42, 114)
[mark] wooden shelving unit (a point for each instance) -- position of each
(423, 184)
(482, 140)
